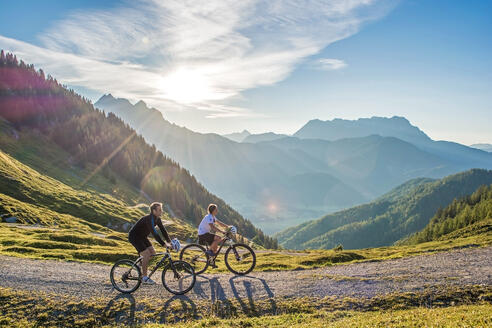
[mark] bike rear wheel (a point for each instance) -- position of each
(125, 276)
(195, 255)
(240, 259)
(178, 277)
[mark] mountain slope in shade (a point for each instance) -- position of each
(396, 215)
(373, 164)
(468, 216)
(484, 147)
(237, 136)
(269, 136)
(399, 127)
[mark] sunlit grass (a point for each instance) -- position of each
(446, 307)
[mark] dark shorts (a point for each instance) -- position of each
(206, 238)
(140, 243)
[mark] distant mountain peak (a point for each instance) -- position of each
(140, 104)
(396, 126)
(123, 107)
(106, 97)
(237, 136)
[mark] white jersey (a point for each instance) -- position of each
(204, 226)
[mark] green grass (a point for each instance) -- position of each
(445, 307)
(23, 183)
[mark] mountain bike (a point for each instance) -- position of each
(178, 277)
(239, 258)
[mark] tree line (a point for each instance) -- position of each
(460, 213)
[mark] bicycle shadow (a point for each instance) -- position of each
(175, 309)
(121, 314)
(178, 308)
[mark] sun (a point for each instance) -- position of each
(185, 85)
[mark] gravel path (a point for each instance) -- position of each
(85, 280)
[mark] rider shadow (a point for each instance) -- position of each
(121, 314)
(216, 291)
(250, 308)
(243, 289)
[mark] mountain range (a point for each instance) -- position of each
(279, 181)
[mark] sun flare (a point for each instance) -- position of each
(185, 85)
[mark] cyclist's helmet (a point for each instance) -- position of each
(175, 244)
(233, 230)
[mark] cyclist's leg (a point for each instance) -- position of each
(146, 255)
(215, 244)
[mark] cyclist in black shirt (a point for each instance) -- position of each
(138, 237)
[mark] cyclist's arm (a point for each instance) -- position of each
(164, 233)
(222, 224)
(214, 228)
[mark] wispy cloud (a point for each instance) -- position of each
(193, 54)
(329, 64)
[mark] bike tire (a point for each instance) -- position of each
(227, 260)
(181, 266)
(183, 256)
(132, 266)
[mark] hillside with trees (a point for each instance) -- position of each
(30, 100)
(396, 215)
(469, 215)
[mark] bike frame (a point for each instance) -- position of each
(225, 239)
(166, 256)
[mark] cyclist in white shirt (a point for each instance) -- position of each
(208, 227)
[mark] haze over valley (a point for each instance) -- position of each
(279, 181)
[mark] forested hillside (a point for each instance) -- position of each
(469, 215)
(31, 100)
(396, 215)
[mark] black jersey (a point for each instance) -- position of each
(145, 226)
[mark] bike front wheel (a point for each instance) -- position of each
(125, 276)
(178, 277)
(195, 255)
(240, 259)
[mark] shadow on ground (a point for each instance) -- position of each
(130, 310)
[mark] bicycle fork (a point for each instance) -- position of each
(236, 254)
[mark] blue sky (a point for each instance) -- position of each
(262, 67)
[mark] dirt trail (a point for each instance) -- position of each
(85, 280)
